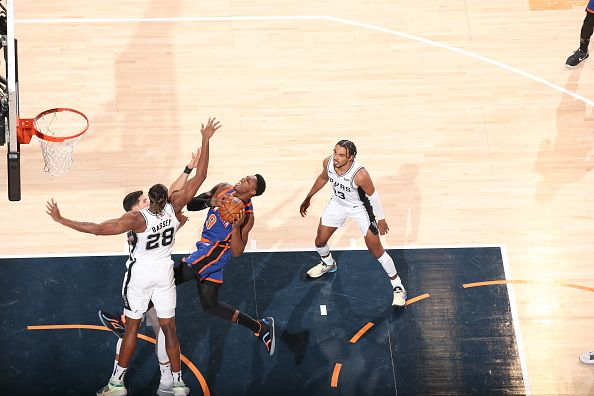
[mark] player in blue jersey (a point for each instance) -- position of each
(586, 32)
(218, 243)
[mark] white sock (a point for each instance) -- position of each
(118, 373)
(118, 346)
(160, 348)
(396, 282)
(325, 254)
(177, 376)
(166, 375)
(388, 264)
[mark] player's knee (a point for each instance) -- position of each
(167, 326)
(321, 241)
(375, 247)
(132, 325)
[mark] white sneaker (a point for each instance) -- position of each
(113, 388)
(587, 358)
(321, 269)
(180, 389)
(167, 390)
(399, 299)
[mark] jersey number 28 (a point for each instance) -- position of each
(163, 239)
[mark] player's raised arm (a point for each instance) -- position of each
(321, 180)
(180, 198)
(183, 177)
(129, 221)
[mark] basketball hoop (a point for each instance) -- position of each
(58, 131)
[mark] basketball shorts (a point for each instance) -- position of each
(146, 282)
(335, 215)
(209, 259)
(590, 6)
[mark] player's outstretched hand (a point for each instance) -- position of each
(195, 157)
(211, 127)
(304, 205)
(382, 226)
(53, 210)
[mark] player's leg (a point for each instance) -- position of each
(183, 271)
(585, 34)
(209, 267)
(209, 299)
(166, 380)
(374, 244)
(173, 352)
(136, 296)
(333, 217)
(115, 386)
(164, 299)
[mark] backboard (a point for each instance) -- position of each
(9, 100)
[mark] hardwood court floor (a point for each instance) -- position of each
(463, 151)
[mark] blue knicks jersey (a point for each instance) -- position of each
(217, 230)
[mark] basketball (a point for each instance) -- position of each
(230, 209)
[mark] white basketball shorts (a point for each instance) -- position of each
(146, 282)
(335, 215)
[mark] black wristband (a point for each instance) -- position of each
(187, 171)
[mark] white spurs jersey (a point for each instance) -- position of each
(345, 191)
(155, 244)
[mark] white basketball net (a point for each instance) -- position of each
(57, 156)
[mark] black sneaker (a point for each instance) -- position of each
(113, 323)
(266, 334)
(576, 58)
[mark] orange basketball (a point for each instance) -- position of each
(230, 209)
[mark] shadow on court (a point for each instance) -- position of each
(457, 341)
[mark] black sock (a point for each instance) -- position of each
(586, 32)
(248, 322)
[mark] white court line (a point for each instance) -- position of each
(318, 18)
(516, 320)
(276, 250)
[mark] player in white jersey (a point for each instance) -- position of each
(136, 201)
(353, 196)
(151, 273)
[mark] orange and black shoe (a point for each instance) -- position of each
(113, 323)
(266, 334)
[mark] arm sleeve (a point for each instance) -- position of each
(199, 202)
(376, 204)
